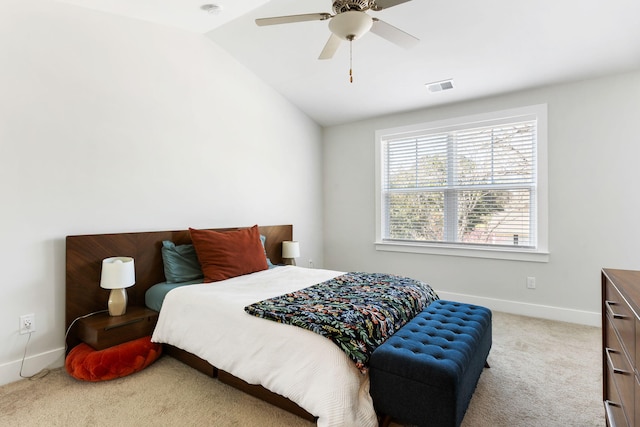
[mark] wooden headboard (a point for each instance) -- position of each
(84, 255)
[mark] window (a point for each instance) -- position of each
(471, 185)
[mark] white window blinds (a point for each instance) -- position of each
(468, 185)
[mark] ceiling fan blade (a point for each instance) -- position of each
(393, 34)
(330, 48)
(293, 18)
(386, 4)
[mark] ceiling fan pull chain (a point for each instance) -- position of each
(351, 60)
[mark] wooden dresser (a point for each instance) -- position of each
(621, 346)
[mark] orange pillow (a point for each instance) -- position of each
(228, 254)
(85, 363)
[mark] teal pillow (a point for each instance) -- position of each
(262, 240)
(180, 263)
(154, 297)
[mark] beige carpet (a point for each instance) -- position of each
(542, 373)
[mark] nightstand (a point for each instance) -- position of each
(103, 331)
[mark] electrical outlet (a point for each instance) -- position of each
(531, 282)
(27, 323)
(310, 263)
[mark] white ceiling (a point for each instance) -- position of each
(485, 46)
(184, 14)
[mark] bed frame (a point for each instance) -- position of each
(84, 255)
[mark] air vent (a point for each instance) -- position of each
(440, 86)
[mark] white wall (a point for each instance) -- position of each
(112, 125)
(594, 202)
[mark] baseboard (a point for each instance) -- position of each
(10, 372)
(525, 309)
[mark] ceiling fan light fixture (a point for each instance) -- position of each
(350, 25)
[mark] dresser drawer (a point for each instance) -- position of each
(614, 414)
(637, 358)
(620, 396)
(613, 404)
(621, 380)
(637, 407)
(621, 316)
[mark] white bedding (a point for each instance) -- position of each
(209, 321)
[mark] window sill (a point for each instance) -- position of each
(491, 253)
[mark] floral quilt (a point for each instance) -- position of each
(357, 311)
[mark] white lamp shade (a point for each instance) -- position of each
(117, 273)
(290, 249)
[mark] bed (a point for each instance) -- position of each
(288, 366)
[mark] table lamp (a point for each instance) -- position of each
(290, 251)
(118, 273)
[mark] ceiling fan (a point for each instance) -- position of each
(350, 21)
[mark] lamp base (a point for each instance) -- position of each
(289, 261)
(117, 302)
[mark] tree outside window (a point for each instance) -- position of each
(468, 186)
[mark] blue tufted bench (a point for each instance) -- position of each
(426, 373)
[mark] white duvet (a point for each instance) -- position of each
(209, 321)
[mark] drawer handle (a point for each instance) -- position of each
(615, 315)
(609, 411)
(615, 370)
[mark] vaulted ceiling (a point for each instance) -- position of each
(485, 46)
